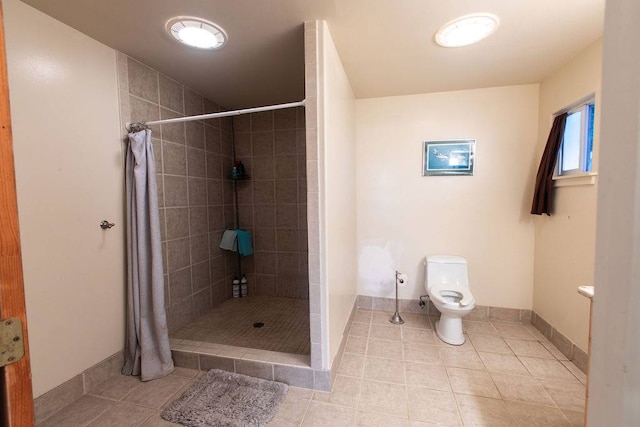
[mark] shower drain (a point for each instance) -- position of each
(258, 325)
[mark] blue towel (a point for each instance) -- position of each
(244, 242)
(228, 241)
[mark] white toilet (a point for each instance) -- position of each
(447, 284)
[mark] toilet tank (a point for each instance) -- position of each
(446, 269)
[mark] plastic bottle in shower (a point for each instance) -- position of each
(236, 287)
(234, 171)
(243, 286)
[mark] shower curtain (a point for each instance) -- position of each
(147, 350)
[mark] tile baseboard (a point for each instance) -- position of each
(567, 347)
(52, 401)
(480, 312)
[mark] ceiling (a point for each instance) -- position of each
(386, 46)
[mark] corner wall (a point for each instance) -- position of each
(403, 216)
(330, 125)
(565, 241)
(69, 176)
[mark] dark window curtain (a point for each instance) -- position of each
(544, 180)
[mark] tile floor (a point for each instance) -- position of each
(506, 374)
(285, 330)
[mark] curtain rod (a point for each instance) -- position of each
(220, 114)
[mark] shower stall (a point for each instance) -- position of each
(199, 199)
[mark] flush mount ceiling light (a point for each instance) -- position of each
(466, 30)
(196, 32)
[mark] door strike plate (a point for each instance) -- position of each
(11, 341)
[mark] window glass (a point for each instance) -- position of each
(571, 142)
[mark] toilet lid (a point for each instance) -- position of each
(467, 298)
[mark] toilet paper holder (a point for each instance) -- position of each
(396, 319)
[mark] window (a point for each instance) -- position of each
(576, 151)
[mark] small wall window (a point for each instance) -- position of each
(576, 151)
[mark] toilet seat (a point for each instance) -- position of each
(467, 298)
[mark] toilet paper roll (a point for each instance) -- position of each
(403, 279)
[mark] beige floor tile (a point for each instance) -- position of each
(290, 413)
(417, 321)
(518, 387)
(387, 349)
(359, 329)
(482, 411)
(299, 393)
(505, 363)
(482, 328)
(489, 343)
(433, 406)
(356, 345)
(529, 348)
(526, 414)
(123, 415)
(427, 376)
(513, 330)
(370, 419)
(546, 368)
(156, 393)
(117, 387)
(424, 353)
(535, 332)
(387, 370)
(362, 316)
(322, 415)
(385, 398)
(567, 395)
(461, 358)
(156, 421)
(581, 376)
(184, 372)
(79, 413)
(352, 365)
(553, 350)
(576, 418)
(414, 423)
(346, 392)
(469, 381)
(385, 332)
(381, 318)
(422, 336)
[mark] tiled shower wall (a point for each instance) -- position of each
(273, 202)
(196, 200)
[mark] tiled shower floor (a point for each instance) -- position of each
(285, 330)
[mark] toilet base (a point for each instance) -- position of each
(449, 330)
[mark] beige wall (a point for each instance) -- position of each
(339, 162)
(615, 373)
(565, 241)
(64, 108)
(403, 216)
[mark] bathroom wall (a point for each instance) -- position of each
(340, 192)
(64, 105)
(565, 241)
(403, 216)
(196, 197)
(614, 377)
(273, 201)
(332, 191)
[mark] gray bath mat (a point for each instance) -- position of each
(226, 399)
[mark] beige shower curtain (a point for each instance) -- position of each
(147, 350)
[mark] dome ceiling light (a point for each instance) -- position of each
(196, 32)
(467, 30)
